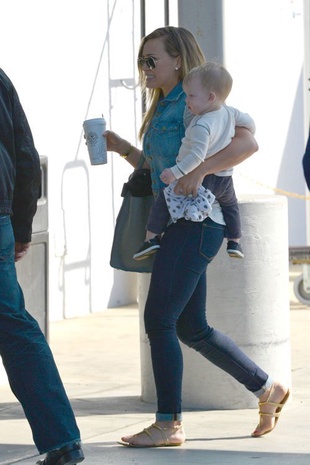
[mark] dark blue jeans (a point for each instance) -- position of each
(176, 309)
(28, 361)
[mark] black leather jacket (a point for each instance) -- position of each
(19, 163)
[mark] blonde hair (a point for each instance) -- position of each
(213, 77)
(179, 42)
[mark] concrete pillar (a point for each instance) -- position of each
(205, 20)
(248, 300)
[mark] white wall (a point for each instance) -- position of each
(70, 60)
(66, 60)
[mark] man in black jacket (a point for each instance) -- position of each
(27, 358)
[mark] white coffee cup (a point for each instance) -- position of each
(96, 142)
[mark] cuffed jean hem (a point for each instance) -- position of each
(264, 388)
(168, 416)
(65, 444)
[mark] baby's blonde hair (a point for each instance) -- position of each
(213, 76)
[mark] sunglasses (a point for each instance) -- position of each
(150, 62)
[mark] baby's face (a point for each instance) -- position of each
(197, 97)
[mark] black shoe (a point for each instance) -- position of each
(67, 455)
(147, 248)
(234, 249)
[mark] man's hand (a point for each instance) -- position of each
(167, 176)
(21, 250)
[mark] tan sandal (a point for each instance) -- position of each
(158, 436)
(275, 414)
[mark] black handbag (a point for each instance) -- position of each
(131, 221)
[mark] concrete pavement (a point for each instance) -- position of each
(98, 358)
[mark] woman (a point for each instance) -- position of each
(175, 306)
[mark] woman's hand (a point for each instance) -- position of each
(189, 184)
(115, 143)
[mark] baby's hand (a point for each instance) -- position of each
(167, 176)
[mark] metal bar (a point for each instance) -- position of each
(166, 17)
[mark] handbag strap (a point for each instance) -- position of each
(141, 162)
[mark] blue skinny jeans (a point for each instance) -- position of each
(176, 309)
(28, 360)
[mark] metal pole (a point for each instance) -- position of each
(166, 6)
(142, 18)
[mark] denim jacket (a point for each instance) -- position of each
(164, 135)
(19, 163)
